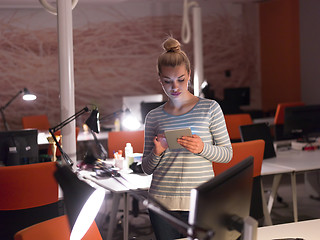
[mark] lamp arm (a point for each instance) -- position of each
(60, 126)
(102, 149)
(110, 115)
(64, 155)
(5, 106)
(4, 119)
(69, 119)
(11, 100)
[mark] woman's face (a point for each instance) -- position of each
(174, 81)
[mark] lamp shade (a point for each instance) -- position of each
(82, 202)
(93, 121)
(27, 96)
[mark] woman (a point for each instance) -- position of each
(176, 172)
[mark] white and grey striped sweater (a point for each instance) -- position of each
(176, 172)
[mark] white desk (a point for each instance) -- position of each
(287, 162)
(307, 230)
(134, 182)
(291, 162)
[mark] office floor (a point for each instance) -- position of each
(308, 208)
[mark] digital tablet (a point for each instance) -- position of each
(174, 134)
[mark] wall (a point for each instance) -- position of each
(280, 52)
(310, 50)
(115, 49)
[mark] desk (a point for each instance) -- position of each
(134, 182)
(291, 162)
(308, 230)
(286, 162)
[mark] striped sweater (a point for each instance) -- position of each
(176, 172)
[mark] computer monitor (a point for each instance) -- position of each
(19, 147)
(259, 131)
(146, 107)
(239, 96)
(302, 121)
(133, 103)
(227, 197)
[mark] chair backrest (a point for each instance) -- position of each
(28, 186)
(242, 150)
(279, 115)
(233, 121)
(29, 195)
(40, 122)
(117, 141)
(53, 229)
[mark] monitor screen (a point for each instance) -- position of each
(19, 147)
(259, 131)
(133, 103)
(222, 198)
(302, 121)
(146, 107)
(239, 96)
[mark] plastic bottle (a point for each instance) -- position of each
(128, 151)
(117, 125)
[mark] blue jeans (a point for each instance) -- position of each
(165, 230)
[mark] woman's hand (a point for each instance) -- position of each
(194, 143)
(160, 144)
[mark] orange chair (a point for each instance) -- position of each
(40, 122)
(279, 115)
(117, 141)
(29, 194)
(233, 121)
(242, 150)
(279, 119)
(55, 229)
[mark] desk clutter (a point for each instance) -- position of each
(112, 166)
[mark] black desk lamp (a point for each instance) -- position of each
(27, 96)
(82, 201)
(92, 122)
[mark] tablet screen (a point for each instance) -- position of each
(174, 134)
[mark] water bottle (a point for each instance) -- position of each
(128, 151)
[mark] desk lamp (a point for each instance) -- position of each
(27, 96)
(82, 201)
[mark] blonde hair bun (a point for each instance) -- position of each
(171, 45)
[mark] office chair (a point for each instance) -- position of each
(29, 194)
(55, 229)
(40, 122)
(233, 121)
(279, 119)
(242, 150)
